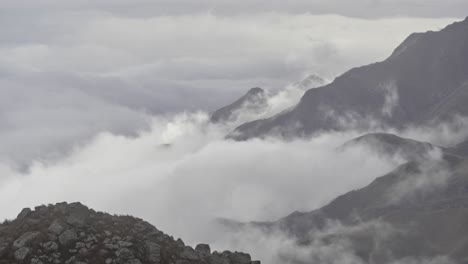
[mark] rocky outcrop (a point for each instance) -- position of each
(75, 234)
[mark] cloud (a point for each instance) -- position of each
(68, 73)
(183, 169)
(358, 8)
(336, 243)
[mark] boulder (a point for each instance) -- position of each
(153, 252)
(22, 253)
(25, 239)
(189, 253)
(25, 212)
(203, 250)
(68, 237)
(56, 228)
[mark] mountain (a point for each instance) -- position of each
(424, 79)
(74, 234)
(254, 100)
(311, 81)
(462, 148)
(390, 145)
(419, 210)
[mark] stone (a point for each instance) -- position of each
(21, 253)
(25, 239)
(77, 219)
(56, 228)
(203, 250)
(153, 252)
(80, 245)
(50, 246)
(124, 244)
(240, 258)
(25, 212)
(3, 248)
(125, 254)
(189, 254)
(68, 237)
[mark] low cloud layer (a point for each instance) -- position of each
(68, 72)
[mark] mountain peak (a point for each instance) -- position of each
(255, 91)
(254, 100)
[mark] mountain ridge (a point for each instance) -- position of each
(424, 79)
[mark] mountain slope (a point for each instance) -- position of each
(426, 78)
(75, 234)
(419, 210)
(254, 100)
(391, 145)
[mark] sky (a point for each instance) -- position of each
(106, 102)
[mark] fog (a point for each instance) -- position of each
(108, 104)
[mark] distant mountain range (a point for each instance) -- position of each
(424, 80)
(418, 210)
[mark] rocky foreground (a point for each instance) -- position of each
(74, 234)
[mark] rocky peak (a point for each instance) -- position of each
(75, 234)
(255, 91)
(254, 100)
(311, 81)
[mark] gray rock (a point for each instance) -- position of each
(189, 254)
(124, 244)
(80, 245)
(240, 258)
(56, 228)
(22, 253)
(203, 250)
(25, 212)
(25, 239)
(50, 246)
(125, 254)
(77, 219)
(68, 237)
(153, 252)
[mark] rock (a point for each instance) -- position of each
(25, 212)
(153, 252)
(80, 245)
(50, 246)
(189, 254)
(125, 254)
(56, 228)
(124, 244)
(77, 219)
(25, 239)
(22, 253)
(3, 248)
(240, 258)
(203, 250)
(55, 236)
(68, 237)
